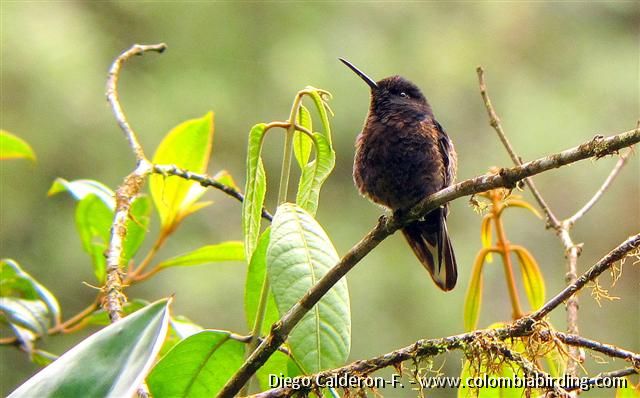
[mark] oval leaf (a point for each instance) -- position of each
(314, 174)
(198, 366)
(137, 226)
(187, 146)
(79, 189)
(322, 107)
(119, 355)
(255, 190)
(473, 298)
(225, 251)
(28, 314)
(531, 277)
(15, 282)
(93, 221)
(302, 143)
(299, 254)
(14, 147)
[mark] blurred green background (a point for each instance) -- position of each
(558, 74)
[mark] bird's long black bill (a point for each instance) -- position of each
(362, 75)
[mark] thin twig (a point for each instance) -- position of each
(607, 349)
(388, 225)
(205, 181)
(606, 262)
(494, 121)
(605, 185)
(126, 193)
(112, 92)
(605, 376)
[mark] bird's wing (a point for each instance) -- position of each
(448, 153)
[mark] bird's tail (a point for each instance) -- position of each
(430, 242)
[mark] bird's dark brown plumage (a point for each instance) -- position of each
(402, 156)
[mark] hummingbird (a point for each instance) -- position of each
(402, 156)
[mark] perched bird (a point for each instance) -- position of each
(403, 155)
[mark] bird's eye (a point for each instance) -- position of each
(404, 95)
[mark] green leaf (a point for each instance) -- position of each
(299, 254)
(467, 390)
(137, 226)
(179, 329)
(255, 190)
(93, 221)
(15, 282)
(321, 107)
(314, 174)
(198, 366)
(225, 251)
(79, 189)
(14, 147)
(28, 314)
(256, 276)
(531, 277)
(302, 143)
(187, 146)
(473, 298)
(110, 363)
(485, 235)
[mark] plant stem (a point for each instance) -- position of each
(505, 250)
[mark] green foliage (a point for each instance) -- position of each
(198, 366)
(256, 278)
(255, 190)
(302, 143)
(110, 363)
(299, 254)
(187, 146)
(225, 251)
(14, 147)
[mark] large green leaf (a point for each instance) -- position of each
(93, 220)
(14, 282)
(14, 147)
(531, 277)
(110, 363)
(256, 277)
(79, 189)
(314, 174)
(198, 366)
(187, 146)
(225, 251)
(255, 190)
(302, 143)
(299, 254)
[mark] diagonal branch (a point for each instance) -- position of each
(605, 185)
(494, 121)
(388, 225)
(523, 327)
(205, 181)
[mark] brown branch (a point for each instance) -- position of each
(520, 328)
(607, 349)
(388, 225)
(606, 262)
(126, 193)
(607, 375)
(494, 121)
(605, 185)
(205, 181)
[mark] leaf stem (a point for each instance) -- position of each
(503, 245)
